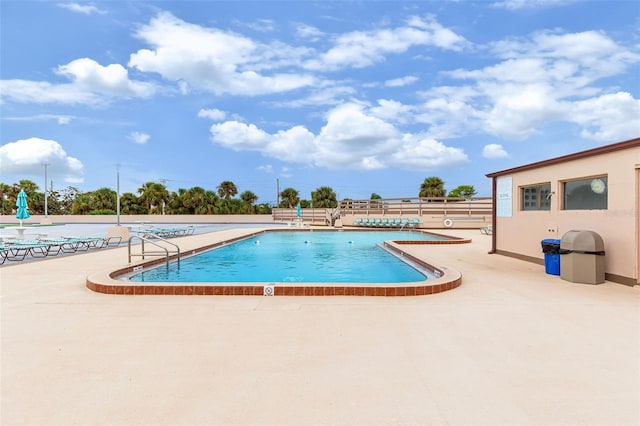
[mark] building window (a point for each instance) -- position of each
(536, 197)
(586, 194)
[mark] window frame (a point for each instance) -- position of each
(542, 205)
(589, 179)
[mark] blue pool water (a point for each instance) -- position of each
(344, 256)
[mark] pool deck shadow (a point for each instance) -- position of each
(511, 345)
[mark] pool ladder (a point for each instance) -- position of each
(164, 251)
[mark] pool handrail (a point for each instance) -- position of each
(143, 252)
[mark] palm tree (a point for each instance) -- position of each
(209, 203)
(249, 198)
(153, 195)
(324, 197)
(8, 198)
(36, 198)
(171, 202)
(28, 186)
(103, 199)
(432, 187)
(290, 198)
(197, 200)
(229, 206)
(130, 204)
(81, 204)
(192, 199)
(175, 206)
(227, 189)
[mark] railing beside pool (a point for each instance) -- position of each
(430, 212)
(163, 251)
(315, 216)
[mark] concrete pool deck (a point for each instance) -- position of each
(511, 345)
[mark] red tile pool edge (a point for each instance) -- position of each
(277, 289)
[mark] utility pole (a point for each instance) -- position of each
(45, 189)
(164, 182)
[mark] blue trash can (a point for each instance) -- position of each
(551, 250)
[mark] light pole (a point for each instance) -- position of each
(164, 183)
(118, 193)
(45, 190)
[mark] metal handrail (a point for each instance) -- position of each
(143, 252)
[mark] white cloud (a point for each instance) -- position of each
(260, 25)
(139, 137)
(530, 4)
(86, 9)
(43, 92)
(352, 138)
(520, 110)
(308, 32)
(91, 83)
(326, 95)
(61, 119)
(211, 59)
(285, 172)
(239, 136)
(608, 118)
(111, 80)
(440, 36)
(294, 145)
(360, 49)
(212, 114)
(419, 153)
(590, 55)
(27, 156)
(449, 111)
(494, 150)
(543, 79)
(399, 82)
(392, 111)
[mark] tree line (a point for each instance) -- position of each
(155, 198)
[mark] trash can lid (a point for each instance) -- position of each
(582, 240)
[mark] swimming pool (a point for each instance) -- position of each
(299, 257)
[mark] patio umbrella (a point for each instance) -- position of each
(23, 209)
(298, 210)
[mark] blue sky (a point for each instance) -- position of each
(361, 96)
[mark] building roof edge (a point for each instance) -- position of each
(631, 143)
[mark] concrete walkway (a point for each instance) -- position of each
(511, 346)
